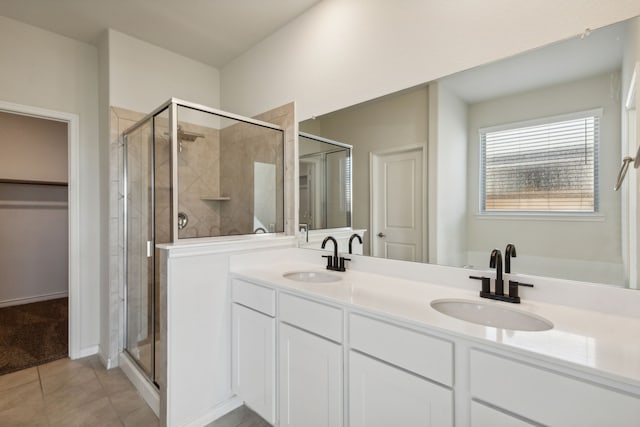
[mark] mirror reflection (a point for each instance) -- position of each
(524, 151)
(325, 183)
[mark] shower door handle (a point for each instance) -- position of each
(149, 242)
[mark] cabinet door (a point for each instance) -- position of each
(381, 395)
(253, 349)
(484, 416)
(310, 380)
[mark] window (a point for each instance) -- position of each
(548, 166)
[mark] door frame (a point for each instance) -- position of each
(425, 220)
(73, 212)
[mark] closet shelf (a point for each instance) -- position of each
(32, 182)
(215, 198)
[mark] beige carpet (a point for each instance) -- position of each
(32, 334)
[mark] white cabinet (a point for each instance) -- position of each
(406, 380)
(381, 395)
(253, 355)
(253, 348)
(484, 416)
(547, 397)
(310, 363)
(310, 380)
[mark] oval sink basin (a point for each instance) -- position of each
(311, 277)
(491, 315)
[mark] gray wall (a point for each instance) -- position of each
(395, 121)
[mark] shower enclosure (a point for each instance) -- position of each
(324, 182)
(191, 172)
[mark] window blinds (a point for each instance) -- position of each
(549, 167)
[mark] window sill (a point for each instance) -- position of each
(514, 216)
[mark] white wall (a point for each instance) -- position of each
(33, 243)
(49, 71)
(447, 177)
(574, 249)
(343, 52)
(142, 76)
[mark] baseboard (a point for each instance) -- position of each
(87, 351)
(107, 362)
(147, 390)
(37, 298)
(216, 412)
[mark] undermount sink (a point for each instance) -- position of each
(311, 277)
(491, 315)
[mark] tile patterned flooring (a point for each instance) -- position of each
(68, 393)
(72, 393)
(241, 417)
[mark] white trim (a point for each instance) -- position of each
(630, 103)
(595, 112)
(148, 392)
(215, 245)
(73, 144)
(107, 362)
(37, 298)
(88, 351)
(542, 216)
(216, 412)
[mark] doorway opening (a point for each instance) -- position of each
(38, 236)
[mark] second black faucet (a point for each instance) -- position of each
(334, 262)
(495, 261)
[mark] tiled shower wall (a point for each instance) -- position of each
(198, 177)
(242, 145)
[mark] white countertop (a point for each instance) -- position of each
(581, 339)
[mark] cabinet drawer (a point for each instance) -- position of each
(312, 316)
(254, 296)
(416, 352)
(548, 397)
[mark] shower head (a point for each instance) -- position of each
(186, 136)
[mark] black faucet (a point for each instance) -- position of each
(334, 263)
(354, 236)
(496, 262)
(509, 252)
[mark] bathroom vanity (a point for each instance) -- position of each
(368, 349)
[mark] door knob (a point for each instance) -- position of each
(381, 234)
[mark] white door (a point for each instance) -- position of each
(397, 211)
(253, 355)
(381, 396)
(310, 380)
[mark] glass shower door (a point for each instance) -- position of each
(139, 248)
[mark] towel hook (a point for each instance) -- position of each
(623, 169)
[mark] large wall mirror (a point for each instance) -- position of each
(525, 150)
(325, 182)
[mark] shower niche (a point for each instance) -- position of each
(191, 172)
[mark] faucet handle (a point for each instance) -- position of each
(486, 283)
(329, 261)
(342, 260)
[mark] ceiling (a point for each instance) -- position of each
(598, 52)
(210, 31)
